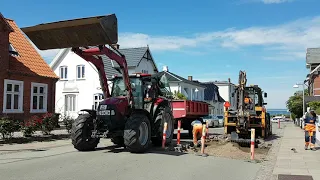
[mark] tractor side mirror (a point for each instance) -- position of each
(265, 95)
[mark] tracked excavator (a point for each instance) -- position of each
(134, 112)
(250, 113)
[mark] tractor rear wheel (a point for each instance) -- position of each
(137, 133)
(81, 133)
(163, 116)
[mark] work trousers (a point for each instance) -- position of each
(313, 138)
(197, 133)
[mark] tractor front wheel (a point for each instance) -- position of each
(137, 133)
(81, 133)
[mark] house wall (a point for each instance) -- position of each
(145, 65)
(226, 93)
(188, 90)
(316, 86)
(83, 89)
(216, 108)
(27, 80)
(4, 51)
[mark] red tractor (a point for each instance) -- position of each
(134, 113)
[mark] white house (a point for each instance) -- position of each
(192, 90)
(226, 91)
(212, 96)
(79, 86)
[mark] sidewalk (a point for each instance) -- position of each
(300, 161)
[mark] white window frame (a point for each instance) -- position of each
(100, 95)
(64, 75)
(82, 68)
(45, 98)
(20, 93)
(74, 104)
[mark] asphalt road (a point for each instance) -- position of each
(62, 161)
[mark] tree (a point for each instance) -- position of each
(295, 105)
(315, 105)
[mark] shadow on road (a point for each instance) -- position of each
(43, 138)
(152, 150)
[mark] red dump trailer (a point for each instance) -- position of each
(188, 111)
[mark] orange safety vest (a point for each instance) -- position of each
(310, 125)
(247, 100)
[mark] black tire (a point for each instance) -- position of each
(81, 133)
(118, 140)
(132, 133)
(164, 115)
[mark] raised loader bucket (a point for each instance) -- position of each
(92, 31)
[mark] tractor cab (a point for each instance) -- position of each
(145, 88)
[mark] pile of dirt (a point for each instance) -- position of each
(233, 151)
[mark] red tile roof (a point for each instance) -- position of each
(29, 60)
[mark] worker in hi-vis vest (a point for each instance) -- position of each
(310, 121)
(247, 101)
(197, 130)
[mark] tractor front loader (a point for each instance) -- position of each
(250, 113)
(134, 112)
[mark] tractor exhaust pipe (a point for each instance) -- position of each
(92, 31)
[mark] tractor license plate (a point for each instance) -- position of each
(106, 113)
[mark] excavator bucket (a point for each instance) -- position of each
(91, 31)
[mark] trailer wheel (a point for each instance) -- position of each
(81, 133)
(164, 115)
(137, 133)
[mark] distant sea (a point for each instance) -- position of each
(273, 112)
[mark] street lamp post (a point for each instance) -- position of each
(303, 86)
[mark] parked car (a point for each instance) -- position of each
(213, 120)
(220, 120)
(277, 118)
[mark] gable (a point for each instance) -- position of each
(4, 25)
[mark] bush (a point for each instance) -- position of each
(68, 121)
(8, 126)
(48, 123)
(178, 95)
(29, 126)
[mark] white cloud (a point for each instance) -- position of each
(281, 42)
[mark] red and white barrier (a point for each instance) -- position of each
(164, 135)
(253, 134)
(203, 138)
(178, 134)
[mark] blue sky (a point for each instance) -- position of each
(210, 40)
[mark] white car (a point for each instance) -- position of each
(277, 118)
(213, 120)
(221, 120)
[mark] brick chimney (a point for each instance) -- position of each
(190, 78)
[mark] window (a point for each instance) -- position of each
(63, 72)
(70, 102)
(97, 98)
(39, 93)
(144, 71)
(80, 72)
(12, 50)
(13, 96)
